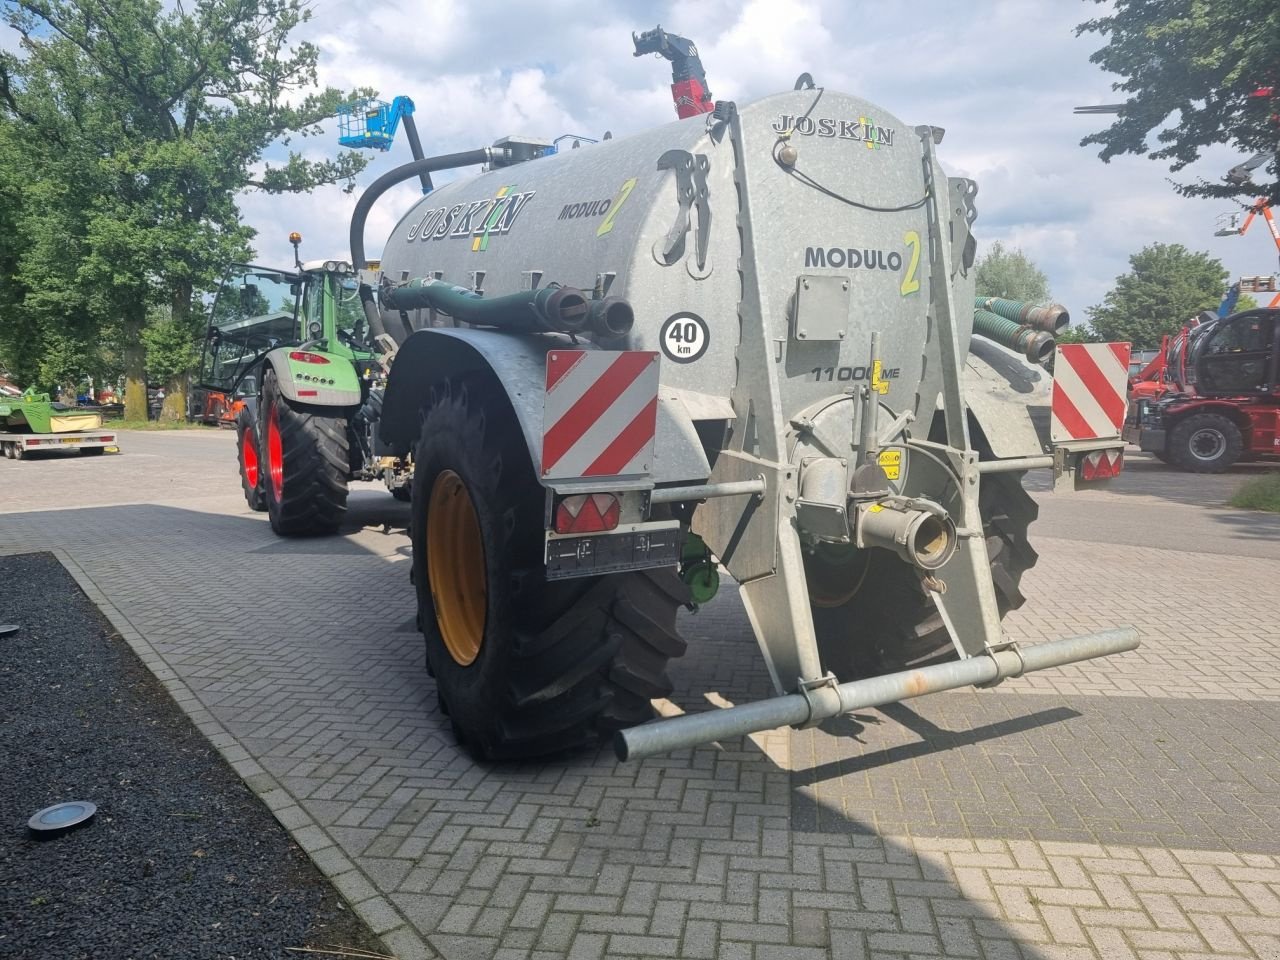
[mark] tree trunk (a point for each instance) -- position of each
(175, 391)
(175, 400)
(135, 369)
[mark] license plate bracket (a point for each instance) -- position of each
(642, 547)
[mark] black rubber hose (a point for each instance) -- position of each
(549, 309)
(448, 161)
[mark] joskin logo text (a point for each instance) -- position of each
(477, 220)
(864, 129)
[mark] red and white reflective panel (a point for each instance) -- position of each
(1101, 464)
(588, 513)
(599, 413)
(1089, 386)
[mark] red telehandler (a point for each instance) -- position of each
(1223, 395)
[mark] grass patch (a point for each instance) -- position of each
(1260, 493)
(154, 425)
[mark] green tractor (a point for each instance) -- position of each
(290, 357)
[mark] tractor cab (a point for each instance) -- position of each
(258, 309)
(1237, 357)
(255, 311)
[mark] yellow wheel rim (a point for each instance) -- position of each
(455, 567)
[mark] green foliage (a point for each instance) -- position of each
(126, 131)
(1167, 286)
(1260, 493)
(1189, 69)
(1077, 334)
(1246, 302)
(1010, 274)
(171, 346)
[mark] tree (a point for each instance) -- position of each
(1167, 285)
(1080, 333)
(1200, 73)
(1010, 274)
(143, 121)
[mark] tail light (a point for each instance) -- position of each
(587, 513)
(304, 356)
(1101, 464)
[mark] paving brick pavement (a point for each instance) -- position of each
(299, 660)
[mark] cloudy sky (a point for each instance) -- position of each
(1001, 76)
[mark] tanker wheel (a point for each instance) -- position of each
(306, 462)
(524, 667)
(873, 617)
(1205, 443)
(251, 473)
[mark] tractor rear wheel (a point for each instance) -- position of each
(251, 473)
(306, 464)
(871, 614)
(1205, 443)
(524, 667)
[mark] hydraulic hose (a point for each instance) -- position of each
(548, 309)
(1050, 319)
(448, 161)
(1036, 345)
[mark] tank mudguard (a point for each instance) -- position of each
(331, 383)
(519, 365)
(1009, 398)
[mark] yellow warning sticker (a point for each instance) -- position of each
(891, 462)
(878, 383)
(875, 508)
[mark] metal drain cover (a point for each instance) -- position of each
(61, 817)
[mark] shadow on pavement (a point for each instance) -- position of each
(312, 668)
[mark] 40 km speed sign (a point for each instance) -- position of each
(684, 337)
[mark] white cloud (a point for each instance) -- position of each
(1001, 77)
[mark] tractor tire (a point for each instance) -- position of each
(1205, 443)
(1162, 456)
(524, 667)
(306, 450)
(247, 453)
(873, 617)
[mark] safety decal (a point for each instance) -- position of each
(891, 463)
(1089, 389)
(599, 413)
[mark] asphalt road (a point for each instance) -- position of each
(1116, 808)
(1154, 505)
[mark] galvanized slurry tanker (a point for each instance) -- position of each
(742, 337)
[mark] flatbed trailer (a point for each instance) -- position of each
(16, 446)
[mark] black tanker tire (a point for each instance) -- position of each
(1162, 456)
(315, 461)
(563, 664)
(889, 623)
(247, 433)
(92, 451)
(1180, 437)
(403, 494)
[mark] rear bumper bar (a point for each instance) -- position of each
(830, 700)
